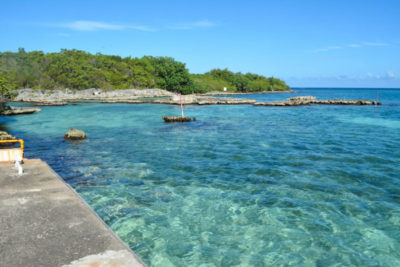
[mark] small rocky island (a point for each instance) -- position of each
(75, 134)
(177, 119)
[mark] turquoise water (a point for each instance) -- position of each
(243, 185)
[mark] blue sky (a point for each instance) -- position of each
(307, 43)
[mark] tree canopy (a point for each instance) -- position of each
(5, 91)
(79, 70)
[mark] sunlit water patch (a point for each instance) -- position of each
(243, 185)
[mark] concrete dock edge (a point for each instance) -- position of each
(44, 222)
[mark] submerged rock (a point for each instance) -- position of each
(75, 134)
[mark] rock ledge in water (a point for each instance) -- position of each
(19, 111)
(51, 103)
(75, 134)
(177, 119)
(309, 100)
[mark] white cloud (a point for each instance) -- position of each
(374, 44)
(390, 74)
(84, 25)
(193, 25)
(354, 45)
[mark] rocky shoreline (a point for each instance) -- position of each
(60, 96)
(203, 100)
(136, 96)
(247, 93)
(12, 111)
(309, 100)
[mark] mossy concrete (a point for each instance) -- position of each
(44, 222)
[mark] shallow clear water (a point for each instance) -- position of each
(243, 185)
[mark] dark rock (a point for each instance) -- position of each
(176, 119)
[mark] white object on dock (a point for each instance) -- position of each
(18, 160)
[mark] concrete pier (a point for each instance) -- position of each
(44, 222)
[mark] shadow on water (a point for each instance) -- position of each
(4, 120)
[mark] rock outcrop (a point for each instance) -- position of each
(124, 101)
(203, 100)
(309, 100)
(177, 119)
(247, 93)
(54, 103)
(11, 111)
(51, 96)
(75, 134)
(6, 136)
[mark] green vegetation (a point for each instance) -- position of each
(5, 91)
(217, 79)
(79, 70)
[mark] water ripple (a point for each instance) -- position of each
(243, 185)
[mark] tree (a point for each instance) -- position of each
(76, 69)
(172, 75)
(5, 92)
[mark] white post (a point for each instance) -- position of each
(18, 165)
(180, 97)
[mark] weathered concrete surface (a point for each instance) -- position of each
(43, 222)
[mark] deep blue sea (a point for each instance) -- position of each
(243, 185)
